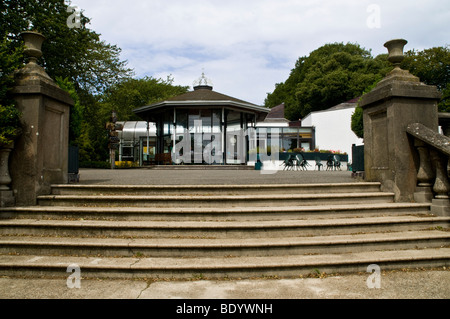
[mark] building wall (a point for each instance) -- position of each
(333, 130)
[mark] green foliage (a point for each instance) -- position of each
(77, 54)
(10, 60)
(432, 66)
(95, 164)
(10, 126)
(130, 94)
(76, 112)
(83, 65)
(357, 123)
(330, 75)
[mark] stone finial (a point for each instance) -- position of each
(33, 51)
(33, 45)
(395, 49)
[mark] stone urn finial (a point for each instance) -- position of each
(33, 45)
(395, 49)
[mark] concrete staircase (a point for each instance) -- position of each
(219, 231)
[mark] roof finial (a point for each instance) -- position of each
(203, 82)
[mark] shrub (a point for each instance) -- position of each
(10, 127)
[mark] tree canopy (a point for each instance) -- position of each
(82, 64)
(74, 53)
(332, 74)
(432, 66)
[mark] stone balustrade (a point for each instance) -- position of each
(432, 176)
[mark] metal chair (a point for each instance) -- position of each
(301, 162)
(319, 164)
(330, 163)
(289, 163)
(337, 162)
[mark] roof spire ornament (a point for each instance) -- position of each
(203, 82)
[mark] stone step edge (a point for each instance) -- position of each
(224, 225)
(214, 186)
(237, 263)
(208, 243)
(206, 210)
(212, 198)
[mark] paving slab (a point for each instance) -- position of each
(208, 177)
(415, 284)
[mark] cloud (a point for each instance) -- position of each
(246, 47)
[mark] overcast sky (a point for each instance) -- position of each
(247, 46)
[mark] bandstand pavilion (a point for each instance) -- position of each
(206, 118)
(213, 127)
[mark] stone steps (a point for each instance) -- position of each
(232, 247)
(322, 211)
(221, 267)
(219, 231)
(198, 201)
(265, 189)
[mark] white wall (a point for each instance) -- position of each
(333, 130)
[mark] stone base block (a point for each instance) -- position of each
(423, 194)
(7, 199)
(440, 207)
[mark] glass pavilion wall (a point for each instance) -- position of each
(205, 136)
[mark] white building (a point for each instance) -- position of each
(333, 127)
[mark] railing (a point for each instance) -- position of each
(434, 153)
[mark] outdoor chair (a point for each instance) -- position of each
(301, 162)
(330, 163)
(318, 163)
(288, 163)
(337, 163)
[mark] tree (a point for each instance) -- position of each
(76, 112)
(432, 66)
(77, 54)
(130, 94)
(9, 115)
(332, 74)
(122, 97)
(79, 61)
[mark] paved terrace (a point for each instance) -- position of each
(198, 176)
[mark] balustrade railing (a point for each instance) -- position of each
(434, 152)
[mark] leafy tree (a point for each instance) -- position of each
(76, 112)
(432, 66)
(330, 75)
(130, 94)
(77, 54)
(9, 115)
(357, 123)
(79, 61)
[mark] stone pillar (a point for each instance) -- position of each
(398, 100)
(40, 156)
